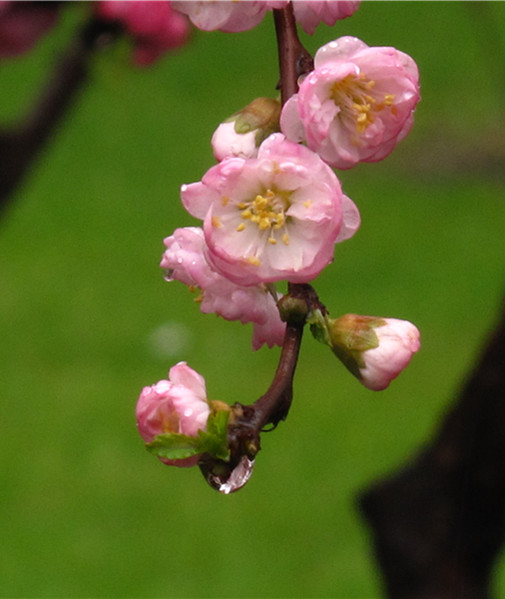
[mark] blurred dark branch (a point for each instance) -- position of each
(439, 523)
(20, 144)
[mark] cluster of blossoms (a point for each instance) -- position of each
(272, 208)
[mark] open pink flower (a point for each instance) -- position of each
(23, 23)
(184, 260)
(227, 16)
(176, 405)
(356, 105)
(153, 24)
(274, 217)
(309, 13)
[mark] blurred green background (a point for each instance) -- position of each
(87, 319)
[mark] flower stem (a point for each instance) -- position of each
(294, 60)
(248, 421)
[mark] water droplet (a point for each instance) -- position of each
(168, 275)
(239, 476)
(225, 479)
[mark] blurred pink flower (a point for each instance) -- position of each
(153, 24)
(23, 23)
(356, 105)
(176, 405)
(224, 15)
(184, 260)
(309, 13)
(274, 217)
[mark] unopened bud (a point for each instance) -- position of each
(243, 132)
(374, 349)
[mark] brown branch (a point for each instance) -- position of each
(248, 421)
(294, 60)
(439, 523)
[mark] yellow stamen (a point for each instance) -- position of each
(267, 210)
(253, 260)
(241, 227)
(350, 95)
(216, 222)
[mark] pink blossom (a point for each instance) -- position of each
(356, 105)
(23, 23)
(227, 142)
(154, 26)
(274, 217)
(309, 13)
(240, 15)
(176, 405)
(184, 260)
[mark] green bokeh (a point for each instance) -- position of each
(87, 319)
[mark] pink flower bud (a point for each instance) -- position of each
(356, 105)
(242, 134)
(177, 405)
(227, 142)
(374, 349)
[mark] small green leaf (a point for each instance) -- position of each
(215, 438)
(174, 446)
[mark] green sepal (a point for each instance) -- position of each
(318, 327)
(214, 440)
(261, 113)
(355, 333)
(350, 336)
(174, 446)
(216, 436)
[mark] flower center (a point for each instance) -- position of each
(352, 95)
(170, 422)
(268, 211)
